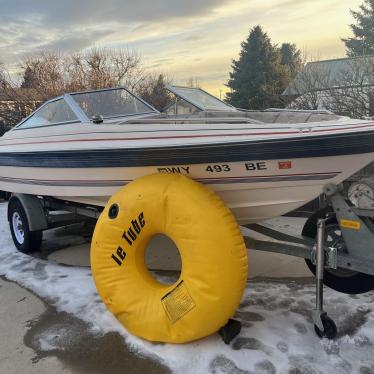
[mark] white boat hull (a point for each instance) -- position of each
(254, 190)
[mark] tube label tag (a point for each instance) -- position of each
(348, 224)
(177, 302)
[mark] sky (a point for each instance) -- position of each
(185, 39)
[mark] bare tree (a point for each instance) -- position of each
(15, 103)
(102, 68)
(43, 74)
(152, 89)
(48, 75)
(344, 88)
(306, 91)
(193, 82)
(354, 94)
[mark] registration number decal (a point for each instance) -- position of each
(235, 167)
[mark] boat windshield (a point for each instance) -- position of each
(201, 99)
(111, 103)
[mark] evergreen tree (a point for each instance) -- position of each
(291, 57)
(3, 76)
(363, 41)
(30, 79)
(2, 127)
(258, 77)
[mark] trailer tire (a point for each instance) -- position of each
(212, 250)
(341, 280)
(26, 241)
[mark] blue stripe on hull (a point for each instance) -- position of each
(285, 148)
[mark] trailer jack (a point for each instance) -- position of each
(324, 326)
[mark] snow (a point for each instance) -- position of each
(277, 335)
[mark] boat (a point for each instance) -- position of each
(82, 147)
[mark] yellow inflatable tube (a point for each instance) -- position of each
(214, 259)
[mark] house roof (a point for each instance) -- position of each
(337, 73)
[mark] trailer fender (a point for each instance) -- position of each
(212, 250)
(34, 211)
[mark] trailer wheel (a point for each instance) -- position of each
(26, 241)
(341, 280)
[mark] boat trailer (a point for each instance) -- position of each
(349, 255)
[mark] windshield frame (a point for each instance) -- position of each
(152, 110)
(175, 91)
(79, 112)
